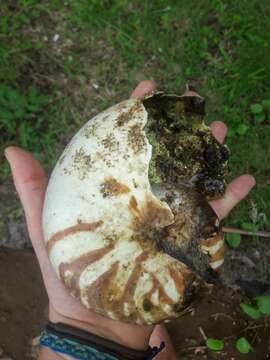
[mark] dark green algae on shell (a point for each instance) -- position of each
(184, 151)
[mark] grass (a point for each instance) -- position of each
(62, 62)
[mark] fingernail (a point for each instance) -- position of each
(7, 155)
(253, 180)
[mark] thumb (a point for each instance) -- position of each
(30, 182)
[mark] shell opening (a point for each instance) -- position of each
(183, 148)
(187, 166)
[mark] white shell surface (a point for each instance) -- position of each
(98, 212)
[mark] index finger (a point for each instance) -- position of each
(219, 130)
(238, 189)
(143, 88)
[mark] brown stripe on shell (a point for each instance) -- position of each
(178, 281)
(147, 303)
(212, 241)
(70, 231)
(133, 206)
(163, 297)
(77, 266)
(219, 255)
(97, 291)
(156, 311)
(111, 187)
(128, 293)
(131, 284)
(129, 296)
(101, 294)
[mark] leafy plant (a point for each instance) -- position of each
(233, 240)
(260, 111)
(19, 113)
(251, 311)
(249, 226)
(242, 129)
(266, 105)
(243, 346)
(262, 307)
(215, 344)
(263, 303)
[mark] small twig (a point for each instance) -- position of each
(252, 327)
(202, 333)
(216, 315)
(254, 337)
(243, 330)
(245, 232)
(193, 347)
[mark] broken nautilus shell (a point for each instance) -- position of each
(126, 221)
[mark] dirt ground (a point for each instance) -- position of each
(23, 301)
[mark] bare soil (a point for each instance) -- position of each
(22, 302)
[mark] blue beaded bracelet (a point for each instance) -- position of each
(80, 351)
(72, 348)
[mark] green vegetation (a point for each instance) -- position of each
(251, 311)
(243, 346)
(18, 111)
(234, 240)
(62, 62)
(215, 344)
(263, 303)
(262, 307)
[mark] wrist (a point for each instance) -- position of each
(46, 353)
(68, 341)
(132, 336)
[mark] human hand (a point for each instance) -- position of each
(30, 182)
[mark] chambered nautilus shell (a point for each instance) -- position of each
(126, 220)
